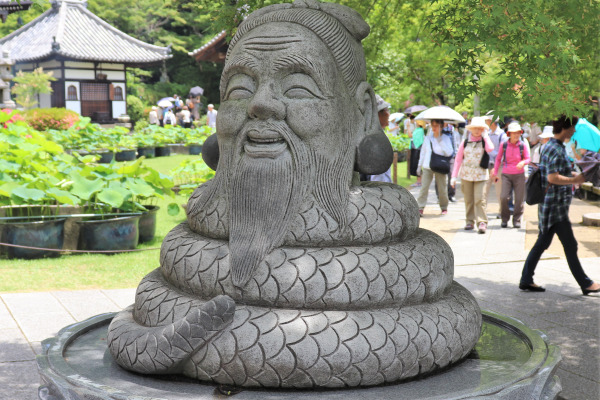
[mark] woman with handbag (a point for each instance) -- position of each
(434, 162)
(472, 162)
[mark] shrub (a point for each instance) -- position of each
(135, 108)
(140, 125)
(42, 119)
(9, 116)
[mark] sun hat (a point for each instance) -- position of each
(547, 132)
(421, 123)
(154, 108)
(381, 104)
(477, 122)
(514, 127)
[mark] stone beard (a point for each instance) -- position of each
(267, 171)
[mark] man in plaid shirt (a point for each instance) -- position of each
(553, 212)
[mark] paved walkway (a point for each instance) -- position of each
(489, 265)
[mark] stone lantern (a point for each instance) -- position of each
(5, 77)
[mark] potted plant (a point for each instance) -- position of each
(31, 191)
(145, 145)
(194, 138)
(127, 148)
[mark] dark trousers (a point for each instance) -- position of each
(565, 234)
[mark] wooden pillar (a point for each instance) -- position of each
(395, 168)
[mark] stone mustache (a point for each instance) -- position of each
(290, 273)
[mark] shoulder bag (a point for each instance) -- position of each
(439, 163)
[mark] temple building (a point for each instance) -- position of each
(88, 57)
(215, 50)
(10, 6)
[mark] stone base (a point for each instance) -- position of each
(591, 219)
(510, 361)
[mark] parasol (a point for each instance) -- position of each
(414, 109)
(586, 135)
(196, 91)
(440, 112)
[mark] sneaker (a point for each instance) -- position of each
(504, 224)
(444, 212)
(517, 224)
(468, 227)
(482, 227)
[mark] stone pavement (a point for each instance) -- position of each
(489, 265)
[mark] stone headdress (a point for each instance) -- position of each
(339, 27)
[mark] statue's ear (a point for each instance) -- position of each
(210, 152)
(374, 153)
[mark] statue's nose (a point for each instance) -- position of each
(265, 104)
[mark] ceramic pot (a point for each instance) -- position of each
(195, 149)
(125, 155)
(105, 156)
(147, 225)
(97, 233)
(32, 231)
(148, 152)
(163, 151)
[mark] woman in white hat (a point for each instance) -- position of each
(544, 138)
(513, 155)
(473, 177)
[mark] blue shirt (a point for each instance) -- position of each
(555, 207)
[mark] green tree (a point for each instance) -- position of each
(29, 84)
(535, 54)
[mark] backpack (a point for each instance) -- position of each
(533, 188)
(505, 145)
(485, 158)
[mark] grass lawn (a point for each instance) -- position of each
(93, 271)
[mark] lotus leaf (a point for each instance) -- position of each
(28, 194)
(112, 197)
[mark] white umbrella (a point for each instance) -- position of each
(164, 103)
(396, 116)
(440, 112)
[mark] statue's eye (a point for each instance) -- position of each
(240, 86)
(300, 86)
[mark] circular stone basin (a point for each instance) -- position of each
(510, 361)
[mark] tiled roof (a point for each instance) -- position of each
(213, 41)
(69, 29)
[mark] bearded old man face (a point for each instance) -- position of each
(287, 133)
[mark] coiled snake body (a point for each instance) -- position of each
(317, 312)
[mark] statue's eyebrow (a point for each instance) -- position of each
(242, 63)
(300, 63)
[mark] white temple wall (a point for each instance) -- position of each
(119, 107)
(79, 74)
(114, 75)
(74, 105)
(50, 64)
(45, 100)
(118, 67)
(79, 64)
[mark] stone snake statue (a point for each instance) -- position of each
(327, 316)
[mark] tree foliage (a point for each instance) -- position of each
(532, 56)
(29, 84)
(538, 58)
